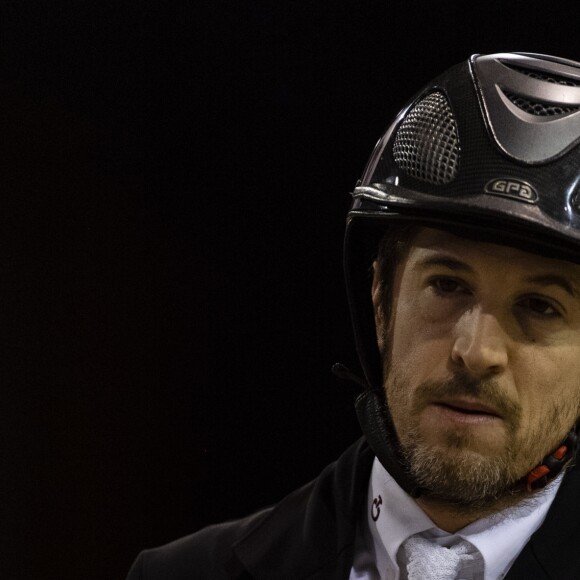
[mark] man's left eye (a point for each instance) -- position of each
(539, 306)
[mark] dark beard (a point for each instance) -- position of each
(467, 483)
(456, 476)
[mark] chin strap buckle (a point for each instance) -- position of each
(553, 463)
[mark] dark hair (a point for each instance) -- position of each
(393, 247)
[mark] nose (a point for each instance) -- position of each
(480, 343)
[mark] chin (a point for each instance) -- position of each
(462, 474)
(465, 444)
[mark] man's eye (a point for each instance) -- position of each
(539, 306)
(447, 286)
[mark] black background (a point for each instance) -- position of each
(174, 181)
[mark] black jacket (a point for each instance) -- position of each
(309, 535)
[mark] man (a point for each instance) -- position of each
(462, 259)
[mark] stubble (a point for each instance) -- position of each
(457, 473)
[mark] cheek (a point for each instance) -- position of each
(406, 323)
(417, 341)
(549, 379)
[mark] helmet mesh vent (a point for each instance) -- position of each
(536, 107)
(549, 78)
(426, 146)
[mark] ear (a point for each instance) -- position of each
(376, 294)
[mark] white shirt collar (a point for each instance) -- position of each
(393, 516)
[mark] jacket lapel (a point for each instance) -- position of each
(553, 551)
(310, 534)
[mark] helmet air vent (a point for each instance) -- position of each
(538, 108)
(426, 145)
(542, 109)
(531, 104)
(546, 77)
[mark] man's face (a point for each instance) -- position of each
(482, 357)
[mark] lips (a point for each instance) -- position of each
(469, 407)
(465, 400)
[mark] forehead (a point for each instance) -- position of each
(432, 242)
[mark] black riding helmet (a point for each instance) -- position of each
(488, 149)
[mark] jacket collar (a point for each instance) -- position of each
(552, 551)
(311, 533)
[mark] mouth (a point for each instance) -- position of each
(469, 407)
(466, 411)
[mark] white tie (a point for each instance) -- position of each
(429, 561)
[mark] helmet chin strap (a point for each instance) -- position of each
(553, 463)
(377, 426)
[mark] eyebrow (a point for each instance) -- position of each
(450, 263)
(569, 286)
(556, 280)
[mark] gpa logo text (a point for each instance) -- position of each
(512, 188)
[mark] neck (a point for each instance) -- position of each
(452, 517)
(445, 518)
